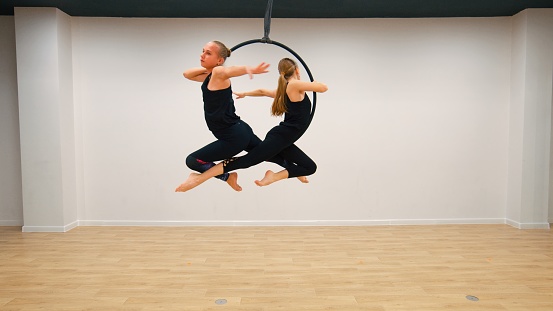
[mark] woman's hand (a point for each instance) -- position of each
(261, 68)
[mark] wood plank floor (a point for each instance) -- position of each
(278, 268)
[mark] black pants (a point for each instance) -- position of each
(279, 141)
(230, 142)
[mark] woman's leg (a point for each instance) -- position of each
(195, 179)
(271, 177)
(301, 163)
(277, 139)
(203, 159)
(254, 141)
(194, 162)
(230, 142)
(300, 166)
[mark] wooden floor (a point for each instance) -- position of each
(278, 268)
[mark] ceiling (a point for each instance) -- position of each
(282, 8)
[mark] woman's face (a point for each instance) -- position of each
(210, 56)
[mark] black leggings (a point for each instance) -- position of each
(230, 142)
(279, 141)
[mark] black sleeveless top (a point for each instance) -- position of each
(298, 114)
(219, 110)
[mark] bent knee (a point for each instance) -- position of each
(196, 164)
(312, 168)
(191, 162)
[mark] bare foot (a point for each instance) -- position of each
(303, 179)
(233, 181)
(192, 181)
(268, 179)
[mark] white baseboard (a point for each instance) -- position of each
(231, 223)
(262, 223)
(51, 228)
(528, 225)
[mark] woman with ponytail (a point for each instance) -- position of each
(233, 134)
(289, 99)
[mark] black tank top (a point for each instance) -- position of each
(218, 107)
(298, 113)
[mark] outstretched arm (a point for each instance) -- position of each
(196, 74)
(256, 93)
(224, 73)
(304, 86)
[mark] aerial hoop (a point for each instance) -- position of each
(267, 40)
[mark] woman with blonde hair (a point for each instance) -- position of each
(291, 100)
(233, 134)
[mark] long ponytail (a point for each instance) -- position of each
(286, 68)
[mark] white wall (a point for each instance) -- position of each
(413, 128)
(45, 88)
(11, 206)
(530, 118)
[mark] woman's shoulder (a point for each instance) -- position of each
(294, 85)
(217, 71)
